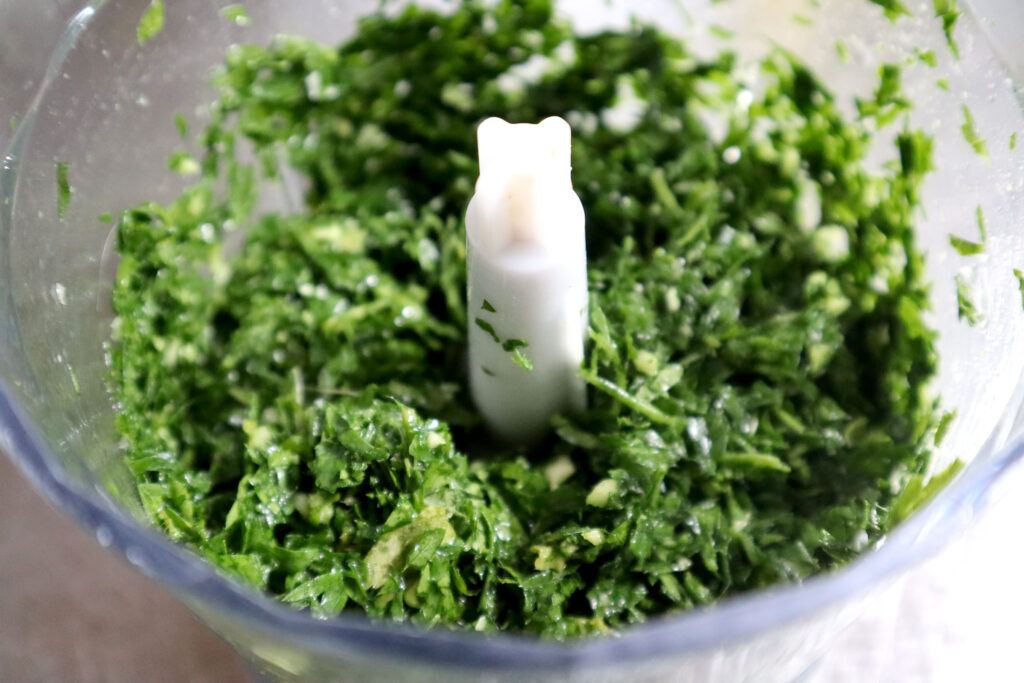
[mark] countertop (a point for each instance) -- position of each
(70, 611)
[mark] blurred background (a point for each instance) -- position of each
(69, 611)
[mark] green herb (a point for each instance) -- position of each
(488, 328)
(948, 11)
(889, 101)
(633, 402)
(942, 428)
(803, 20)
(943, 84)
(517, 348)
(14, 123)
(971, 135)
(514, 346)
(296, 409)
(183, 164)
(920, 490)
(522, 360)
(843, 51)
(966, 247)
(927, 57)
(105, 218)
(236, 13)
(63, 189)
(966, 310)
(182, 126)
(488, 306)
(151, 23)
(1013, 142)
(1020, 281)
(894, 9)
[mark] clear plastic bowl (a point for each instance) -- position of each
(106, 107)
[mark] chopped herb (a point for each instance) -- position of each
(966, 247)
(942, 428)
(755, 461)
(943, 84)
(915, 150)
(966, 310)
(63, 189)
(803, 20)
(510, 344)
(948, 11)
(919, 490)
(74, 381)
(183, 164)
(151, 23)
(1013, 142)
(663, 193)
(522, 360)
(489, 329)
(643, 407)
(927, 57)
(516, 347)
(14, 123)
(894, 9)
(889, 101)
(843, 51)
(971, 134)
(297, 411)
(488, 306)
(1020, 281)
(236, 13)
(182, 125)
(105, 218)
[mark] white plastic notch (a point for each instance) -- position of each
(527, 263)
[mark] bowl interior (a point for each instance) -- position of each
(108, 105)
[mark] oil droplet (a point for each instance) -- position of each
(104, 536)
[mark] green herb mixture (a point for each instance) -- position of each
(296, 408)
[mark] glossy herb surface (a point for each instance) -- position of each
(295, 407)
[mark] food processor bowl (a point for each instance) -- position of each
(106, 108)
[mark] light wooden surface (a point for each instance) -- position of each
(70, 611)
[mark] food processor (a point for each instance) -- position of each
(105, 105)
